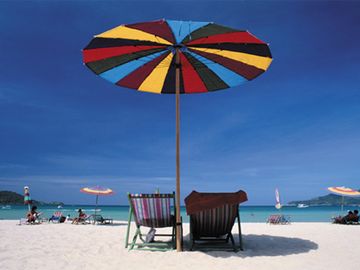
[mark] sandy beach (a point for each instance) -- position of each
(66, 246)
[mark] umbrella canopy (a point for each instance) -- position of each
(97, 190)
(177, 57)
(27, 198)
(344, 191)
(142, 56)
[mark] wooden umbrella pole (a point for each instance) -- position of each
(177, 88)
(97, 197)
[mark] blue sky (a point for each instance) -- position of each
(296, 127)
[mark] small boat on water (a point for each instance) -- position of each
(59, 206)
(302, 205)
(6, 207)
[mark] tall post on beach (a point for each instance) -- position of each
(177, 89)
(27, 198)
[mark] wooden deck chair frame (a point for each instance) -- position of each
(212, 241)
(155, 246)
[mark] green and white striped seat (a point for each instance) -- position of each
(152, 211)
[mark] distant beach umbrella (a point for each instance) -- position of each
(98, 191)
(177, 57)
(344, 191)
(27, 198)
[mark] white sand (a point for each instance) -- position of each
(65, 246)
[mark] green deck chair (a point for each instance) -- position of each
(151, 211)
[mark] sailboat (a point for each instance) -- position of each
(277, 197)
(278, 218)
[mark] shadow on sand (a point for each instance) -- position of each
(266, 245)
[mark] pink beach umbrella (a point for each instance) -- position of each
(98, 191)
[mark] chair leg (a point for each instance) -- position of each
(240, 235)
(137, 233)
(191, 235)
(192, 240)
(128, 228)
(227, 238)
(232, 241)
(173, 234)
(182, 238)
(140, 236)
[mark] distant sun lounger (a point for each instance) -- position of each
(57, 217)
(278, 219)
(98, 219)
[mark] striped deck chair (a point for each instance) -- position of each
(151, 211)
(212, 217)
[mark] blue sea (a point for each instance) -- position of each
(247, 213)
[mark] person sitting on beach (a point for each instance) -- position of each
(350, 217)
(32, 215)
(354, 217)
(80, 218)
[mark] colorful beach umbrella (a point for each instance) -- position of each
(27, 198)
(98, 191)
(177, 57)
(344, 191)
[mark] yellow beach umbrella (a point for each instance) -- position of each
(344, 191)
(97, 190)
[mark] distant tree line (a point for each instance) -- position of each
(10, 197)
(330, 199)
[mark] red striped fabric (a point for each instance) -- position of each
(247, 71)
(191, 79)
(159, 28)
(103, 53)
(234, 37)
(152, 210)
